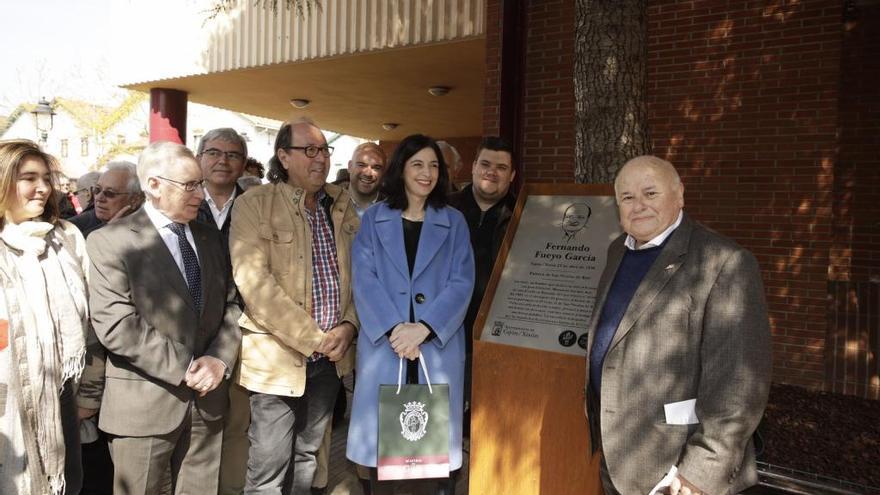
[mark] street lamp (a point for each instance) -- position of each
(44, 118)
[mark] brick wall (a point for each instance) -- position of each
(492, 86)
(742, 97)
(857, 176)
(548, 101)
(548, 113)
(853, 343)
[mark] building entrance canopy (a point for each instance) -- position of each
(359, 64)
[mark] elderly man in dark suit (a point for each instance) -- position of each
(679, 363)
(164, 307)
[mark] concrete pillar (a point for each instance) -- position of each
(167, 115)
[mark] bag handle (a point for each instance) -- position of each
(424, 369)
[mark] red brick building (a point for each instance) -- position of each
(770, 109)
(771, 112)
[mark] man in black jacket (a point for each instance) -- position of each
(487, 205)
(222, 154)
(116, 194)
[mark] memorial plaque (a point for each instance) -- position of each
(546, 291)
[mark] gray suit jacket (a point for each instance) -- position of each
(696, 328)
(144, 316)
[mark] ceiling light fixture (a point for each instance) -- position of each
(299, 102)
(439, 90)
(390, 126)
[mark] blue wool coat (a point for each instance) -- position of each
(383, 291)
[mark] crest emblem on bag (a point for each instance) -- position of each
(413, 421)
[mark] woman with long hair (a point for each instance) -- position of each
(413, 273)
(43, 324)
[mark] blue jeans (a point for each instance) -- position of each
(286, 432)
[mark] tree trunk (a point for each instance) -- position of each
(609, 87)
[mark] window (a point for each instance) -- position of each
(84, 146)
(64, 148)
(120, 139)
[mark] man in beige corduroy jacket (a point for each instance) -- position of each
(290, 245)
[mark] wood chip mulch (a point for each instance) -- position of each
(832, 435)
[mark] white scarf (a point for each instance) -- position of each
(48, 317)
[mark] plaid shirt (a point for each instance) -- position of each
(325, 268)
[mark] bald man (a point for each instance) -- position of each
(678, 367)
(575, 219)
(365, 171)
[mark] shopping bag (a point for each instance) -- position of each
(413, 429)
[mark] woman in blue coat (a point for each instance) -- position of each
(413, 273)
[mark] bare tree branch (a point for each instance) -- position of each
(302, 7)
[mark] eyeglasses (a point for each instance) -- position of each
(96, 190)
(312, 151)
(215, 154)
(187, 186)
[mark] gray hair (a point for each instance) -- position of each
(157, 157)
(87, 180)
(227, 134)
(448, 148)
(133, 185)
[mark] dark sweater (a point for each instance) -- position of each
(87, 222)
(487, 229)
(412, 231)
(206, 216)
(632, 270)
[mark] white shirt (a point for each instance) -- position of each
(219, 214)
(357, 207)
(630, 242)
(161, 222)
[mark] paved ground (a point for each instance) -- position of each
(343, 476)
(342, 479)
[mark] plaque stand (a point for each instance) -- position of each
(529, 432)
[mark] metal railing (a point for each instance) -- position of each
(788, 480)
